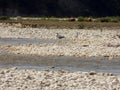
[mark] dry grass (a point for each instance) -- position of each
(64, 24)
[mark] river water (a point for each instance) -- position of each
(15, 41)
(98, 64)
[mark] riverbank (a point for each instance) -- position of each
(77, 42)
(15, 79)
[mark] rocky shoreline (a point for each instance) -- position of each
(15, 79)
(79, 43)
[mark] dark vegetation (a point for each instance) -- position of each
(60, 8)
(62, 13)
(55, 23)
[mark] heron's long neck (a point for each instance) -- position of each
(57, 34)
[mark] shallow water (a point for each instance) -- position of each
(98, 64)
(14, 41)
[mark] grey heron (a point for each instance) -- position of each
(59, 36)
(77, 34)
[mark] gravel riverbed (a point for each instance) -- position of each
(76, 42)
(87, 43)
(14, 79)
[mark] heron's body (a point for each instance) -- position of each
(59, 36)
(77, 34)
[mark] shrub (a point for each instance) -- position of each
(89, 19)
(71, 19)
(105, 19)
(115, 20)
(96, 20)
(19, 18)
(81, 19)
(118, 18)
(4, 18)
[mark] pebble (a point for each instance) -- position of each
(34, 79)
(88, 43)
